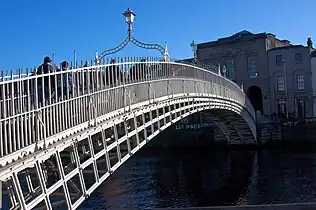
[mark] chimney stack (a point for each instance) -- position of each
(309, 42)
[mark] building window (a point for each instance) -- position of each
(301, 111)
(230, 70)
(280, 83)
(281, 108)
(298, 58)
(279, 60)
(252, 70)
(300, 82)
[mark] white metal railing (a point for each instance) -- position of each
(35, 107)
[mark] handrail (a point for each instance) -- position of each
(64, 96)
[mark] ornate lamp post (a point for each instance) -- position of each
(193, 45)
(206, 66)
(129, 19)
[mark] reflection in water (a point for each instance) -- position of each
(201, 177)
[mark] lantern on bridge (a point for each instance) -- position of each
(129, 18)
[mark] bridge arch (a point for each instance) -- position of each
(112, 121)
(254, 93)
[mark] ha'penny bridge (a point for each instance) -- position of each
(57, 147)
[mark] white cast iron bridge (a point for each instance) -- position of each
(58, 146)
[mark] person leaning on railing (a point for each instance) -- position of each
(113, 75)
(64, 80)
(139, 71)
(88, 76)
(43, 82)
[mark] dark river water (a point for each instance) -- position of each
(202, 177)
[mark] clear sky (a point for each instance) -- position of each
(32, 29)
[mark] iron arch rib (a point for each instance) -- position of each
(116, 49)
(148, 46)
(140, 44)
(206, 66)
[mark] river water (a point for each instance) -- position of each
(158, 178)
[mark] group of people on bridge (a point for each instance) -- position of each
(62, 83)
(55, 83)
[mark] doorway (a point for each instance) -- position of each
(255, 96)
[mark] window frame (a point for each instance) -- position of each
(279, 62)
(280, 83)
(300, 56)
(252, 67)
(300, 82)
(230, 72)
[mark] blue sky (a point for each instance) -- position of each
(31, 29)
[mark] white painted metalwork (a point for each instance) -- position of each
(129, 19)
(0, 194)
(67, 139)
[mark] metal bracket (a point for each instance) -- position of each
(169, 85)
(0, 194)
(39, 118)
(91, 104)
(130, 98)
(131, 39)
(151, 90)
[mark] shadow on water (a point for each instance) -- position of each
(171, 177)
(200, 177)
(158, 177)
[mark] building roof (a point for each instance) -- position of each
(186, 60)
(287, 47)
(243, 35)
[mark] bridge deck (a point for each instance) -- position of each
(286, 206)
(72, 137)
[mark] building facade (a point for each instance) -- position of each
(249, 59)
(313, 66)
(291, 81)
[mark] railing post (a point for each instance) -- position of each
(149, 92)
(130, 100)
(128, 138)
(0, 194)
(94, 111)
(150, 89)
(38, 123)
(168, 89)
(18, 190)
(124, 98)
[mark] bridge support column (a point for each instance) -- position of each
(145, 129)
(164, 115)
(158, 122)
(117, 146)
(72, 157)
(29, 182)
(136, 128)
(0, 195)
(151, 121)
(107, 157)
(170, 115)
(62, 174)
(94, 164)
(18, 190)
(81, 178)
(183, 87)
(42, 184)
(127, 139)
